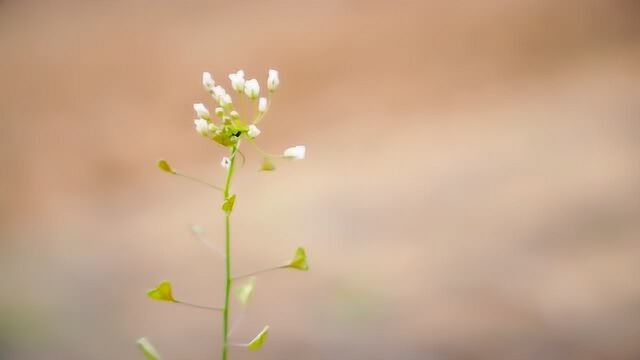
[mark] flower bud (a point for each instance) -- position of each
(201, 110)
(262, 104)
(273, 81)
(253, 131)
(218, 91)
(207, 81)
(225, 101)
(202, 126)
(252, 89)
(237, 80)
(296, 152)
(219, 112)
(234, 115)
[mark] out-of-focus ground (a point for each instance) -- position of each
(472, 186)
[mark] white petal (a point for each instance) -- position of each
(218, 91)
(202, 126)
(201, 110)
(262, 104)
(237, 80)
(225, 101)
(252, 88)
(274, 80)
(296, 152)
(207, 80)
(253, 131)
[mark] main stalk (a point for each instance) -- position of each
(227, 227)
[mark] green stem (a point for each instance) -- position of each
(227, 226)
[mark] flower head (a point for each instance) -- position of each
(262, 104)
(225, 163)
(273, 81)
(253, 131)
(252, 89)
(237, 80)
(296, 152)
(201, 110)
(207, 81)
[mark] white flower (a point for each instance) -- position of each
(262, 104)
(225, 163)
(237, 80)
(218, 91)
(273, 81)
(202, 126)
(253, 131)
(296, 152)
(207, 80)
(201, 110)
(252, 89)
(225, 101)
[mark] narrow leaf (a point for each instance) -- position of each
(162, 292)
(245, 291)
(164, 166)
(227, 206)
(150, 353)
(267, 165)
(257, 341)
(299, 260)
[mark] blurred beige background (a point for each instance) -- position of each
(472, 186)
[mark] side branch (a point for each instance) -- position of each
(198, 306)
(260, 271)
(201, 182)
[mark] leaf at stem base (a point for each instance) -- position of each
(227, 206)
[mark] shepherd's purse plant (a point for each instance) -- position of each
(228, 128)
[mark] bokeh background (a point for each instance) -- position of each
(471, 191)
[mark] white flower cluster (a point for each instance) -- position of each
(232, 126)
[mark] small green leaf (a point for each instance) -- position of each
(162, 292)
(227, 206)
(245, 291)
(257, 341)
(267, 165)
(150, 353)
(299, 260)
(164, 166)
